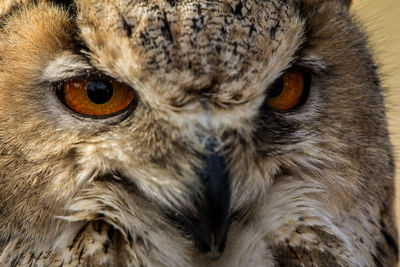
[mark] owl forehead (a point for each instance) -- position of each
(190, 46)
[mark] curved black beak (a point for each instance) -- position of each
(210, 228)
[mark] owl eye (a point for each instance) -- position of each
(288, 91)
(96, 97)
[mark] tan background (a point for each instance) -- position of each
(381, 20)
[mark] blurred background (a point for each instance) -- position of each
(381, 22)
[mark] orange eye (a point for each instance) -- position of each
(96, 97)
(287, 92)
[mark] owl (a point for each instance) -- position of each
(191, 133)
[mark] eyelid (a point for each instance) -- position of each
(88, 75)
(310, 63)
(66, 66)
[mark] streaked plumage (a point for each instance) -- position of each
(309, 186)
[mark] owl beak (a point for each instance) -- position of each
(211, 225)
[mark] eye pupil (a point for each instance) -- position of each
(276, 88)
(100, 91)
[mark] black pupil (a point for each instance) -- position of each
(276, 88)
(100, 91)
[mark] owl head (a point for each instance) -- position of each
(186, 116)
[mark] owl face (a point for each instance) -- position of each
(197, 110)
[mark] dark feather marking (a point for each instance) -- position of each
(377, 261)
(64, 3)
(130, 239)
(81, 254)
(381, 254)
(38, 256)
(80, 48)
(110, 232)
(31, 257)
(237, 11)
(172, 2)
(99, 227)
(391, 243)
(106, 245)
(78, 235)
(68, 5)
(166, 29)
(15, 261)
(127, 27)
